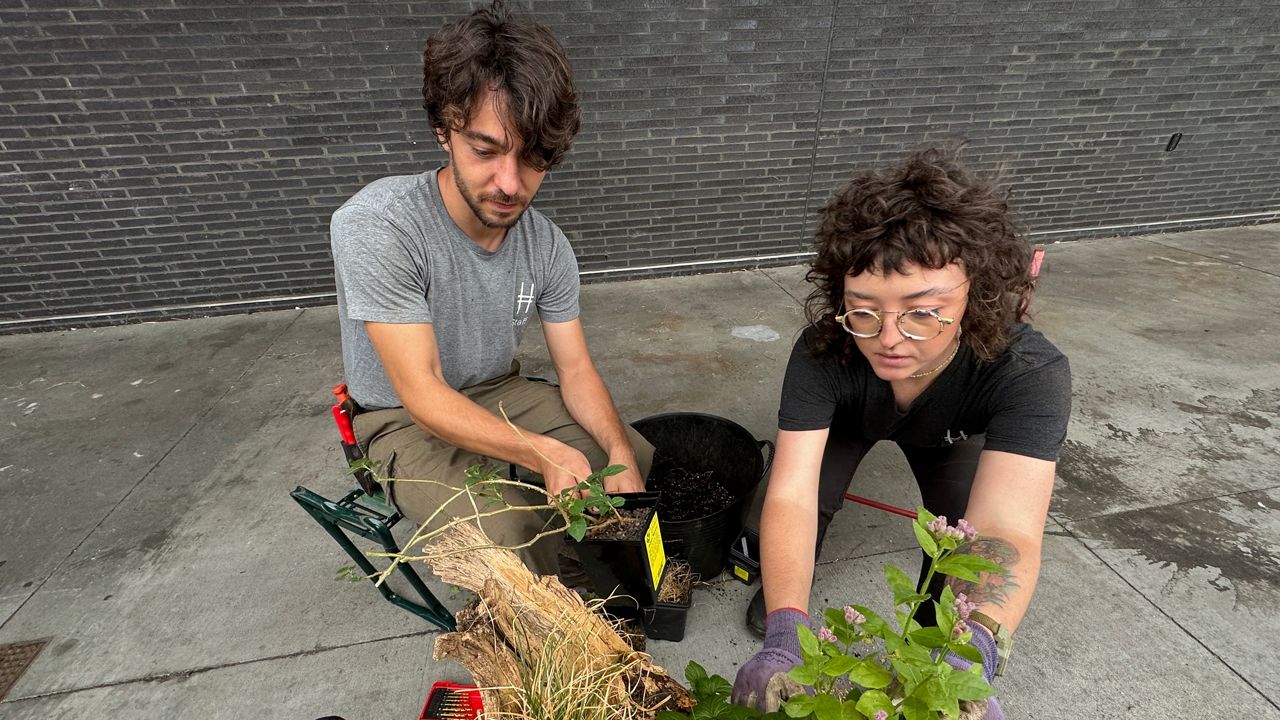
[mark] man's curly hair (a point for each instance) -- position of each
(929, 211)
(496, 49)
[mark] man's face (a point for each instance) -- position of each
(892, 355)
(487, 170)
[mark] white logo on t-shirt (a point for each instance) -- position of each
(953, 440)
(524, 303)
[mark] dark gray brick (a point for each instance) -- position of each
(170, 156)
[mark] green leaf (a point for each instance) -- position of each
(874, 700)
(609, 471)
(930, 637)
(849, 711)
(871, 674)
(967, 567)
(934, 693)
(670, 715)
(577, 529)
(968, 684)
(924, 517)
(917, 654)
(839, 665)
(805, 674)
(914, 708)
(911, 673)
(901, 585)
(798, 706)
(927, 543)
(827, 707)
(717, 686)
(808, 641)
(968, 652)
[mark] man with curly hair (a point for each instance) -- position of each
(438, 275)
(916, 335)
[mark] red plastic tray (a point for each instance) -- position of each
(451, 701)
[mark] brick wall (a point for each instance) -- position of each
(166, 159)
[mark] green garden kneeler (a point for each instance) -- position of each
(371, 517)
(366, 512)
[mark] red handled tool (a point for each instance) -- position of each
(881, 506)
(344, 426)
(342, 413)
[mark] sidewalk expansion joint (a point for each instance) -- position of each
(184, 674)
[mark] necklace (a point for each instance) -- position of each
(941, 365)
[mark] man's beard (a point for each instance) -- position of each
(477, 209)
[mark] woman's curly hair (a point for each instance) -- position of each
(929, 211)
(496, 49)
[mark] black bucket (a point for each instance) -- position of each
(699, 443)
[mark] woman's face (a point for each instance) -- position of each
(892, 355)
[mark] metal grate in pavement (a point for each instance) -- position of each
(15, 658)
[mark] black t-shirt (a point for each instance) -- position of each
(1021, 399)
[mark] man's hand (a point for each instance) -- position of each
(560, 465)
(988, 709)
(762, 682)
(627, 481)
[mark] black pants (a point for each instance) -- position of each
(943, 474)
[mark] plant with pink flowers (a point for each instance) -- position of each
(862, 666)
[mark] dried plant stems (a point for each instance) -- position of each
(535, 644)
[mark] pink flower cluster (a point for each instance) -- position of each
(962, 608)
(962, 530)
(826, 635)
(853, 617)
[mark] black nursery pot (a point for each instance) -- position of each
(699, 443)
(666, 620)
(627, 567)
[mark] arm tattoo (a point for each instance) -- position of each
(991, 588)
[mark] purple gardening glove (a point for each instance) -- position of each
(986, 644)
(762, 681)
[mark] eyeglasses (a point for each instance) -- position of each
(916, 324)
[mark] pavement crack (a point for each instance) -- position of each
(184, 674)
(1215, 259)
(150, 471)
(781, 287)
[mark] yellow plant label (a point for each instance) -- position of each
(742, 574)
(657, 556)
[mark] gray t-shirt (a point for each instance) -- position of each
(400, 258)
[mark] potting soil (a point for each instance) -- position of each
(627, 525)
(686, 495)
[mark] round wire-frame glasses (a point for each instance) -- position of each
(917, 324)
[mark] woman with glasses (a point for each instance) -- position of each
(917, 336)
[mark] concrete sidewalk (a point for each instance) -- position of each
(148, 533)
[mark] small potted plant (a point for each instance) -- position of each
(618, 540)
